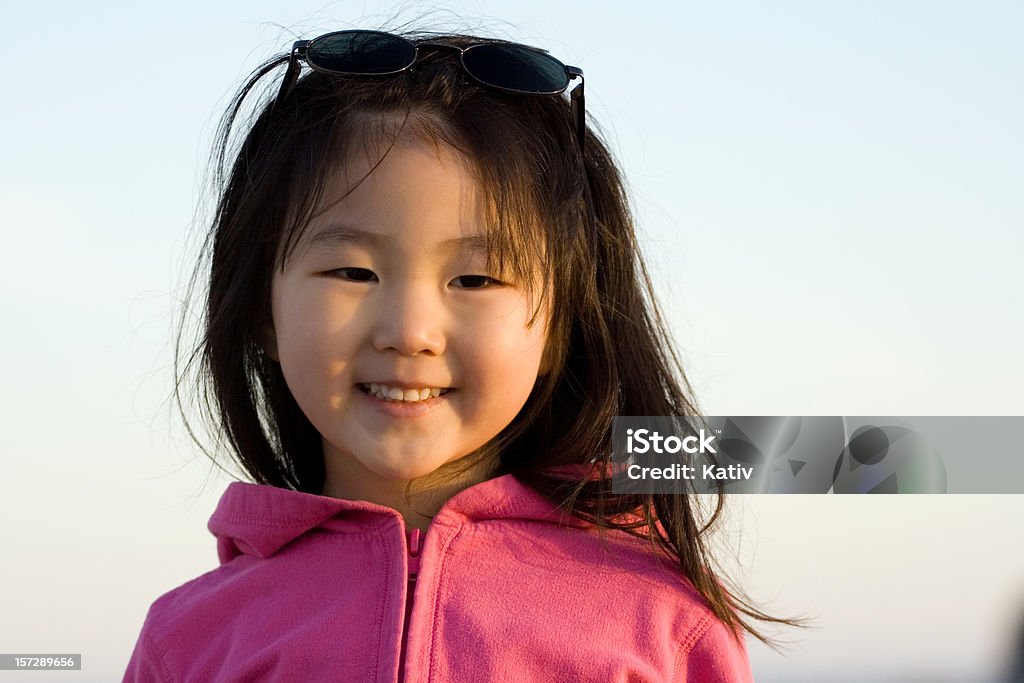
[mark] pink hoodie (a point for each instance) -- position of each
(507, 588)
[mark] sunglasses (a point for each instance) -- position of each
(510, 67)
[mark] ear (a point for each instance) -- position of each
(268, 340)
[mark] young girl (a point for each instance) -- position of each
(426, 303)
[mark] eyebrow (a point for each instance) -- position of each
(335, 235)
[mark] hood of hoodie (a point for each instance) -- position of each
(258, 520)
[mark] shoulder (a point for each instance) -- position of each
(712, 653)
(149, 658)
(707, 650)
(183, 619)
(147, 662)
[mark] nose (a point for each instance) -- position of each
(410, 320)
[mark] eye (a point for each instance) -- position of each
(477, 281)
(354, 274)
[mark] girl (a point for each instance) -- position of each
(425, 306)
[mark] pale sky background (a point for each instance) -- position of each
(830, 194)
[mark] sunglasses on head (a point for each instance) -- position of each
(505, 66)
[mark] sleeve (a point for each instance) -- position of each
(713, 655)
(147, 664)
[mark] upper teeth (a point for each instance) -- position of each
(397, 394)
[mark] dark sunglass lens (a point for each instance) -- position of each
(361, 52)
(516, 68)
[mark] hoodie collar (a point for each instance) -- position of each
(258, 520)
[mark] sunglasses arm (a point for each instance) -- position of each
(292, 74)
(576, 100)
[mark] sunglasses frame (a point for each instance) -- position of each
(300, 51)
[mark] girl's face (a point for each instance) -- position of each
(389, 287)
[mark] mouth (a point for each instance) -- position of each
(399, 395)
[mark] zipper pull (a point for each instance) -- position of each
(414, 548)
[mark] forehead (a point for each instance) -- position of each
(412, 195)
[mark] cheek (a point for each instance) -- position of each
(311, 336)
(307, 316)
(299, 328)
(507, 355)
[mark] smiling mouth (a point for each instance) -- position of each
(397, 395)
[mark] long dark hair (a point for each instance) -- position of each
(610, 351)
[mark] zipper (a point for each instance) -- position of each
(413, 547)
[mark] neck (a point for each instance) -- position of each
(417, 500)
